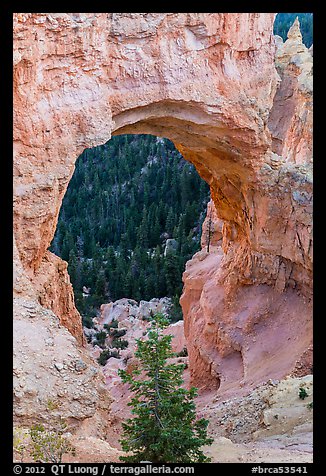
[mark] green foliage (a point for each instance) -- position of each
(176, 310)
(117, 332)
(115, 353)
(310, 405)
(52, 404)
(106, 355)
(100, 338)
(20, 442)
(119, 343)
(49, 446)
(113, 330)
(89, 339)
(87, 322)
(182, 353)
(113, 325)
(303, 393)
(171, 267)
(124, 199)
(164, 428)
(284, 21)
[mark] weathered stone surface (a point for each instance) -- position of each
(155, 305)
(269, 424)
(178, 342)
(290, 121)
(206, 81)
(53, 375)
(231, 327)
(212, 227)
(133, 321)
(54, 291)
(244, 337)
(125, 311)
(171, 246)
(157, 83)
(120, 310)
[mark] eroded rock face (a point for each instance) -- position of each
(81, 77)
(212, 233)
(54, 291)
(209, 83)
(237, 341)
(269, 424)
(128, 310)
(131, 318)
(53, 376)
(290, 120)
(242, 314)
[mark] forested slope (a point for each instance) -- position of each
(125, 199)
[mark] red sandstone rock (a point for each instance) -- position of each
(212, 227)
(290, 121)
(256, 334)
(54, 291)
(178, 342)
(164, 88)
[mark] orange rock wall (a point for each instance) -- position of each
(239, 330)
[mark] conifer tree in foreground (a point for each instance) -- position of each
(165, 428)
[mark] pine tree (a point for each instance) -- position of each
(172, 273)
(165, 428)
(67, 245)
(100, 286)
(143, 231)
(156, 232)
(170, 222)
(73, 269)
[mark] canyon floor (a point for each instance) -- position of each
(269, 423)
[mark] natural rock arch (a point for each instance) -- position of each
(209, 83)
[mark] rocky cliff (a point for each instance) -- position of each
(236, 105)
(53, 375)
(244, 327)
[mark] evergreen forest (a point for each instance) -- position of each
(124, 201)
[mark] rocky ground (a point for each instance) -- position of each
(269, 424)
(53, 376)
(130, 317)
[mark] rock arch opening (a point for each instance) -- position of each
(130, 220)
